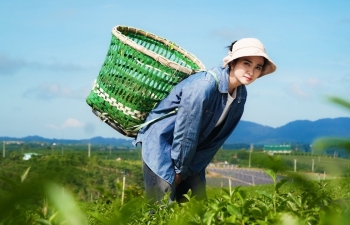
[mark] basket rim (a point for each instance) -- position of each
(161, 59)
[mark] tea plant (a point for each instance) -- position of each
(292, 200)
(302, 202)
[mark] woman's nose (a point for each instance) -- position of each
(250, 71)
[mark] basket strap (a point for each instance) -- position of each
(215, 77)
(138, 127)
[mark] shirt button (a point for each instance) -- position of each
(215, 121)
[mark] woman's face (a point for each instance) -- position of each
(246, 70)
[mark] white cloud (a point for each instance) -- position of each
(342, 62)
(9, 66)
(69, 123)
(57, 67)
(48, 91)
(52, 126)
(313, 82)
(298, 91)
(72, 123)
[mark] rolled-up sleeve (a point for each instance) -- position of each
(193, 103)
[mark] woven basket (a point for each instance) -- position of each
(140, 70)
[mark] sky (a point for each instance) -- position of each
(52, 51)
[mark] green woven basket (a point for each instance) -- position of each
(140, 70)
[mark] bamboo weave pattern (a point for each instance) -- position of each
(140, 70)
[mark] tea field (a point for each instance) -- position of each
(69, 187)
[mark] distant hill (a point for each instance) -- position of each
(94, 141)
(300, 131)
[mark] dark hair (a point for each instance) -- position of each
(230, 46)
(230, 49)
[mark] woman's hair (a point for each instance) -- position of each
(230, 46)
(230, 49)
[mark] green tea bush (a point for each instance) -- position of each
(294, 200)
(44, 195)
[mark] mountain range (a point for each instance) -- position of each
(299, 131)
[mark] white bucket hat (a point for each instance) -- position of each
(250, 47)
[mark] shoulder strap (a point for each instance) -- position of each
(215, 77)
(138, 127)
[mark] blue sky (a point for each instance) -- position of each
(51, 51)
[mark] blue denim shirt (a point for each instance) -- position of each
(185, 143)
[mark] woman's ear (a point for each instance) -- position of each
(232, 64)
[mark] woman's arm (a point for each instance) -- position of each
(195, 98)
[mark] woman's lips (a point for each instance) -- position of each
(248, 78)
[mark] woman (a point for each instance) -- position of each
(177, 149)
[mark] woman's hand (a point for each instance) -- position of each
(178, 179)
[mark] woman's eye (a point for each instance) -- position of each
(246, 63)
(259, 68)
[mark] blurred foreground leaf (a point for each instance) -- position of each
(340, 102)
(69, 212)
(322, 144)
(24, 175)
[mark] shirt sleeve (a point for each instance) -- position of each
(194, 100)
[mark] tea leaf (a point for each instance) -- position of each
(272, 174)
(280, 183)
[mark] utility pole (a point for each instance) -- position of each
(110, 150)
(3, 149)
(89, 151)
(229, 184)
(250, 154)
(295, 165)
(313, 165)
